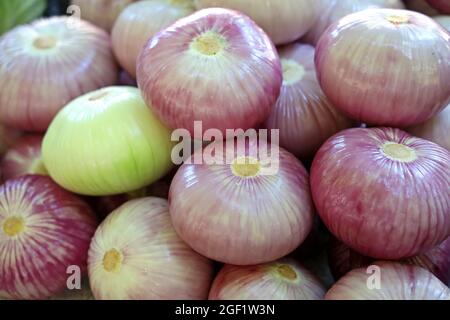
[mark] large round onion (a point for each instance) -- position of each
(383, 192)
(284, 21)
(216, 66)
(48, 63)
(443, 21)
(393, 67)
(397, 282)
(302, 113)
(139, 22)
(43, 230)
(136, 254)
(442, 6)
(244, 212)
(280, 280)
(421, 6)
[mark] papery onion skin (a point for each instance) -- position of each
(393, 67)
(216, 66)
(443, 21)
(442, 6)
(155, 263)
(284, 21)
(44, 230)
(302, 114)
(285, 279)
(46, 64)
(84, 155)
(383, 192)
(139, 22)
(421, 6)
(266, 216)
(398, 282)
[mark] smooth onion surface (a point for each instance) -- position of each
(442, 6)
(139, 22)
(284, 21)
(421, 6)
(303, 115)
(398, 282)
(43, 230)
(385, 67)
(383, 192)
(216, 66)
(443, 21)
(280, 280)
(136, 255)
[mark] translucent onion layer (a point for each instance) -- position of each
(139, 22)
(280, 280)
(383, 192)
(302, 113)
(43, 231)
(385, 67)
(442, 6)
(216, 66)
(48, 63)
(398, 282)
(136, 255)
(443, 21)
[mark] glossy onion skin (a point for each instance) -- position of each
(382, 73)
(379, 206)
(443, 21)
(442, 6)
(156, 263)
(139, 22)
(36, 83)
(303, 113)
(264, 282)
(398, 282)
(284, 21)
(58, 229)
(236, 88)
(265, 216)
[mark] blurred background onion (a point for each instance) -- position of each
(443, 6)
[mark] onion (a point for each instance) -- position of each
(383, 192)
(215, 66)
(139, 22)
(136, 254)
(267, 213)
(281, 280)
(399, 69)
(397, 282)
(44, 230)
(284, 21)
(48, 63)
(302, 113)
(421, 6)
(442, 6)
(443, 21)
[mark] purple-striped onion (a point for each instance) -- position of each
(383, 192)
(443, 21)
(421, 6)
(136, 255)
(385, 67)
(302, 113)
(216, 66)
(443, 6)
(44, 230)
(285, 279)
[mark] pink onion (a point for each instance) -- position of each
(443, 21)
(383, 192)
(421, 6)
(393, 67)
(139, 22)
(216, 66)
(44, 230)
(280, 280)
(46, 64)
(136, 255)
(442, 6)
(302, 113)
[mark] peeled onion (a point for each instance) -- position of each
(46, 64)
(442, 6)
(136, 255)
(383, 192)
(443, 21)
(280, 280)
(393, 67)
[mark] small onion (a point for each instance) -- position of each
(442, 6)
(383, 192)
(139, 22)
(443, 21)
(397, 282)
(385, 67)
(302, 113)
(421, 6)
(46, 64)
(280, 280)
(136, 255)
(43, 231)
(216, 66)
